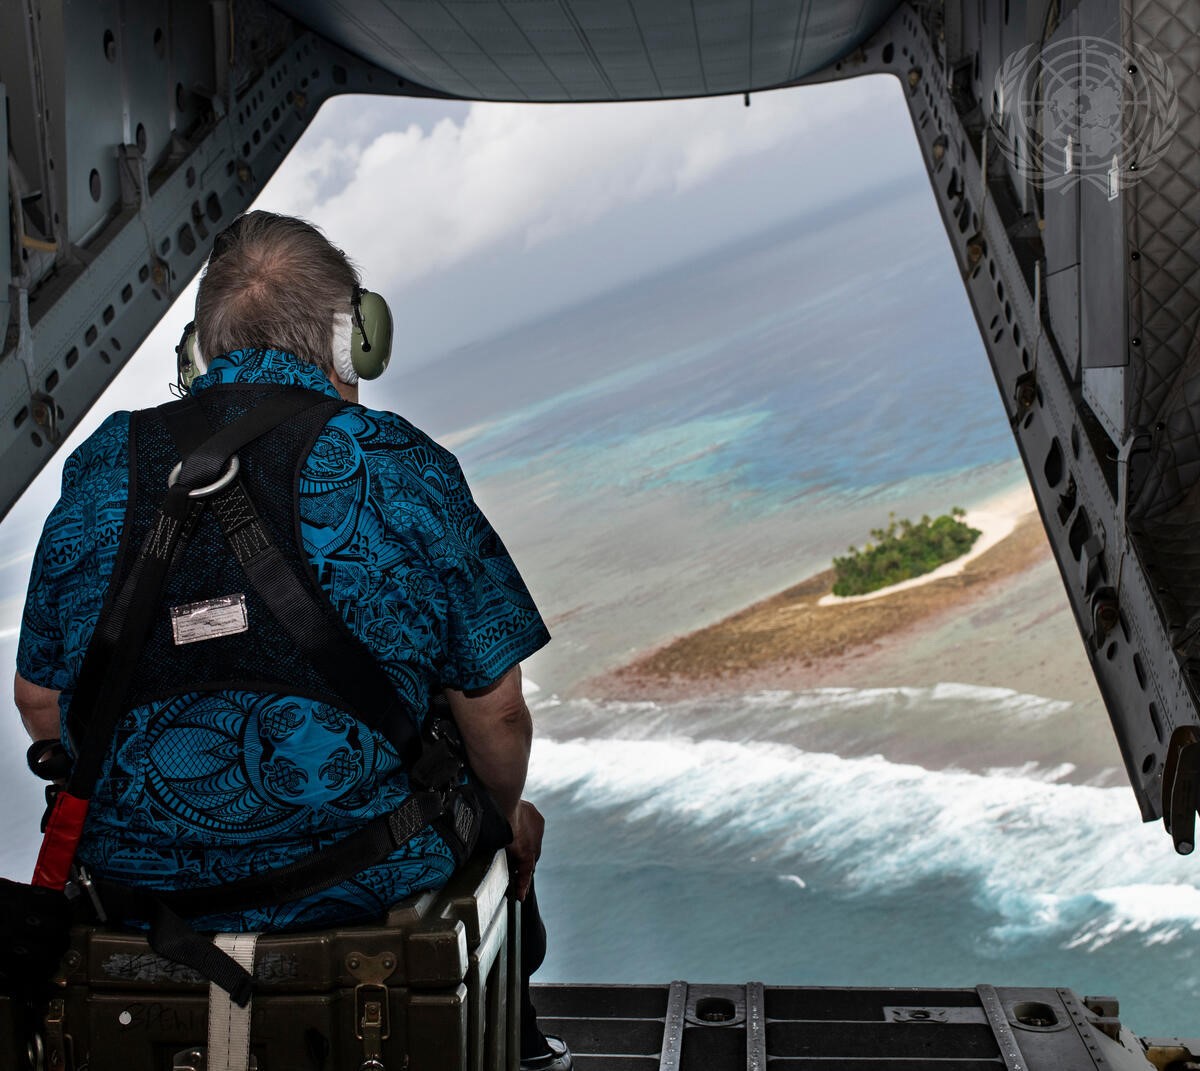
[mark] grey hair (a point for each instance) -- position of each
(274, 282)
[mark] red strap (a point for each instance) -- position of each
(63, 830)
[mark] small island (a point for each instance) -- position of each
(953, 623)
(903, 550)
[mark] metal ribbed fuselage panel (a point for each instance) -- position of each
(571, 50)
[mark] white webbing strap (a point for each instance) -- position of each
(229, 1025)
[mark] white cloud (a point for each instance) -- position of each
(417, 201)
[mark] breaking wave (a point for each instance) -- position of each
(1043, 859)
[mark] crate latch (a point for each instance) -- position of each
(372, 1025)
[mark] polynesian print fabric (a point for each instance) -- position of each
(211, 787)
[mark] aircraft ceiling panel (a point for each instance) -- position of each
(564, 50)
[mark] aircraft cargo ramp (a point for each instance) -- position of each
(685, 1027)
(433, 988)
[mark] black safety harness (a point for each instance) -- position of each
(213, 482)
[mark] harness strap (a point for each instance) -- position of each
(206, 461)
(104, 680)
(343, 661)
(126, 621)
(228, 1023)
(314, 873)
(174, 939)
(118, 641)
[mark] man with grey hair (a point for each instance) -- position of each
(242, 747)
(282, 288)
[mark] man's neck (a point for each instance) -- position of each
(345, 391)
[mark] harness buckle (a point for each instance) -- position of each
(223, 481)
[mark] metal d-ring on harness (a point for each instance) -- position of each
(226, 478)
(209, 478)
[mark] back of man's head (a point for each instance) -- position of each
(274, 282)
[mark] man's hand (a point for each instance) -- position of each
(526, 846)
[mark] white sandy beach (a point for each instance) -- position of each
(995, 519)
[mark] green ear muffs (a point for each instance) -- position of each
(189, 361)
(362, 342)
(370, 334)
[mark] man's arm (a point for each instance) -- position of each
(38, 707)
(497, 732)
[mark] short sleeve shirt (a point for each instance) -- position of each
(214, 786)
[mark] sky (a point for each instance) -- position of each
(474, 218)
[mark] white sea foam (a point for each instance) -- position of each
(1070, 862)
(645, 718)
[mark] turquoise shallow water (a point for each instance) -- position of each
(675, 450)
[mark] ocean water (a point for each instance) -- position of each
(681, 448)
(664, 455)
(722, 861)
(677, 449)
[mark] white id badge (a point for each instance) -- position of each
(208, 619)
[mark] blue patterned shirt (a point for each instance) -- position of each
(215, 786)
